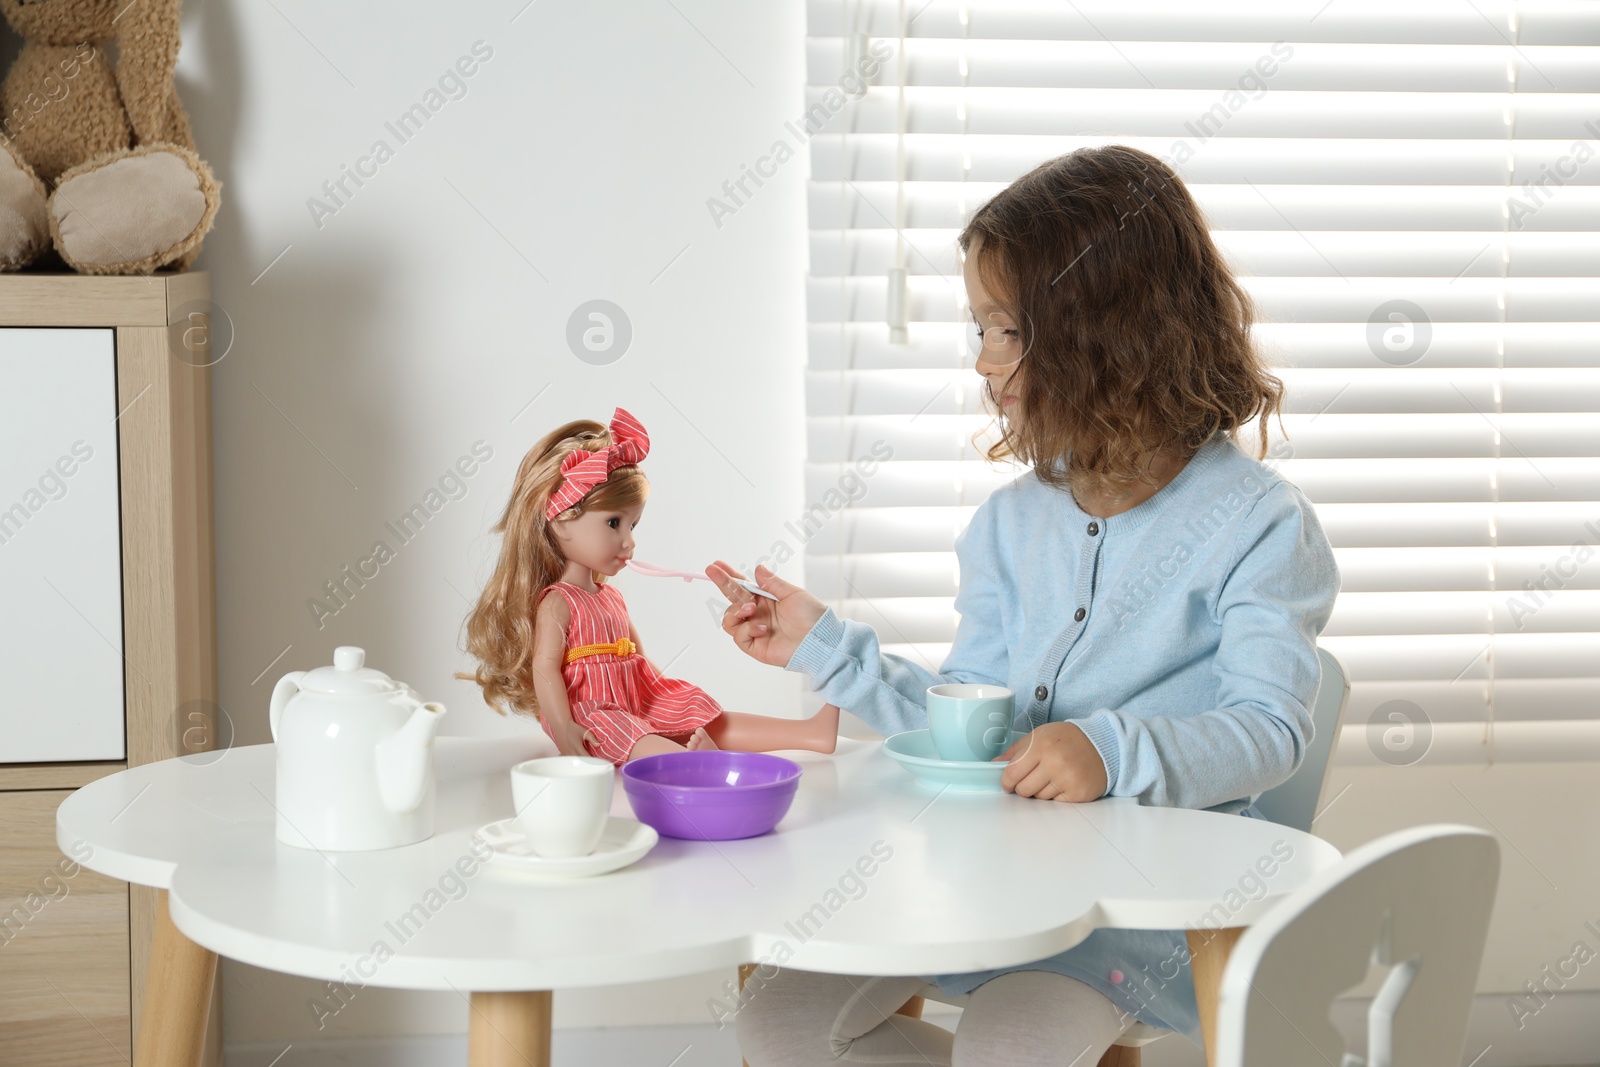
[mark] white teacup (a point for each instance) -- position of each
(562, 803)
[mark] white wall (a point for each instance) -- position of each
(412, 323)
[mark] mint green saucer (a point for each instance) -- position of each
(913, 750)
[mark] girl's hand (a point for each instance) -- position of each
(767, 630)
(1056, 761)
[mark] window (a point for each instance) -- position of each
(1411, 193)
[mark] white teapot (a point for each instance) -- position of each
(355, 757)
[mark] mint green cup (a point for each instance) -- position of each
(969, 720)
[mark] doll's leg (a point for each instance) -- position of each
(621, 735)
(653, 744)
(763, 733)
(696, 740)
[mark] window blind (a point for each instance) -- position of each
(1410, 193)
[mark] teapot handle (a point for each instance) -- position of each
(286, 688)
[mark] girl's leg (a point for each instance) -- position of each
(807, 1019)
(763, 733)
(1036, 1019)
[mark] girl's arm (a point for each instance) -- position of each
(1275, 600)
(842, 661)
(549, 651)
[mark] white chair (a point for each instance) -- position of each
(1417, 901)
(1292, 803)
(1297, 801)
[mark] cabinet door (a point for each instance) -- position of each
(61, 663)
(63, 947)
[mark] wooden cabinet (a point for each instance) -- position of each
(107, 626)
(64, 992)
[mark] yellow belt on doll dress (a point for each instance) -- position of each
(620, 647)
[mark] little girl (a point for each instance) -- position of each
(574, 659)
(1151, 592)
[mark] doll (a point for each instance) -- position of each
(573, 659)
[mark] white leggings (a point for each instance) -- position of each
(1021, 1019)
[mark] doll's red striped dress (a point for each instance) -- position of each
(612, 689)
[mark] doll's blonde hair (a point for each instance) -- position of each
(500, 627)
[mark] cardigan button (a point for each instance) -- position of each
(1094, 528)
(1077, 616)
(1041, 693)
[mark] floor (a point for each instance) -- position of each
(705, 1046)
(634, 1046)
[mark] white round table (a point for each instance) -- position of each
(870, 872)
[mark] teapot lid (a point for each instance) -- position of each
(348, 676)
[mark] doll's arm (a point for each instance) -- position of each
(633, 635)
(549, 649)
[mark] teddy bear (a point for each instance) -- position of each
(99, 161)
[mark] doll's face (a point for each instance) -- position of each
(599, 540)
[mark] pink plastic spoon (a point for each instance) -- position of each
(654, 571)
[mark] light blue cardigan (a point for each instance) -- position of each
(1179, 635)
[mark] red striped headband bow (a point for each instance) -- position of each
(583, 469)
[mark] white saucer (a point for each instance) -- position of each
(622, 842)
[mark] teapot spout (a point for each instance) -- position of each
(405, 757)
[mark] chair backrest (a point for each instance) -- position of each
(1417, 901)
(1296, 802)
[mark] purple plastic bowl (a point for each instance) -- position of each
(689, 795)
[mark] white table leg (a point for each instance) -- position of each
(510, 1030)
(177, 997)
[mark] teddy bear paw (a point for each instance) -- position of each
(134, 213)
(24, 220)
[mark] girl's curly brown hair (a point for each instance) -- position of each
(1136, 337)
(500, 627)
